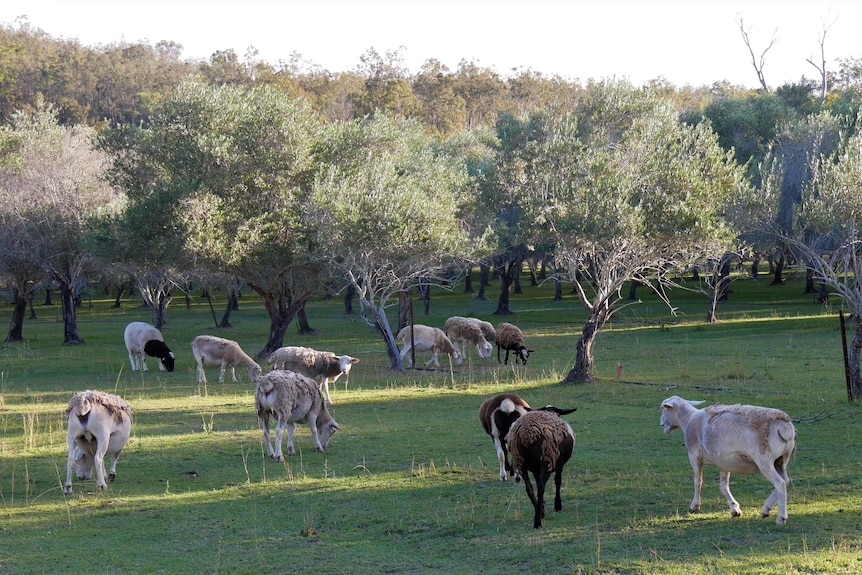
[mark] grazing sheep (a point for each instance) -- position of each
(98, 425)
(212, 350)
(487, 328)
(510, 338)
(142, 340)
(466, 330)
(426, 338)
(292, 398)
(322, 366)
(541, 443)
(737, 439)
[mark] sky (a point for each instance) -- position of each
(686, 42)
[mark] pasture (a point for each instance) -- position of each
(410, 485)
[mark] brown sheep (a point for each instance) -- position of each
(541, 443)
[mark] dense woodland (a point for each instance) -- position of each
(125, 164)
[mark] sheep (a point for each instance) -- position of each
(737, 439)
(487, 328)
(98, 425)
(541, 443)
(142, 340)
(323, 366)
(212, 350)
(426, 338)
(292, 398)
(510, 338)
(466, 330)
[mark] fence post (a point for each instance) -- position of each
(846, 359)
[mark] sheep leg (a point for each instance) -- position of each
(279, 435)
(697, 467)
(144, 362)
(324, 387)
(312, 421)
(404, 353)
(501, 455)
(778, 478)
(133, 361)
(433, 358)
(724, 487)
(264, 426)
(99, 462)
(558, 480)
(202, 377)
(290, 449)
(538, 499)
(67, 487)
(112, 473)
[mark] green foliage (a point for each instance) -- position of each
(410, 484)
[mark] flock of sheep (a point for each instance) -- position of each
(736, 438)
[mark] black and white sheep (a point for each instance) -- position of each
(99, 424)
(467, 331)
(226, 353)
(322, 366)
(510, 338)
(142, 340)
(427, 338)
(541, 443)
(497, 414)
(292, 398)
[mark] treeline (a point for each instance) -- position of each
(123, 82)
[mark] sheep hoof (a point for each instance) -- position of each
(318, 449)
(112, 477)
(103, 487)
(67, 489)
(279, 458)
(781, 520)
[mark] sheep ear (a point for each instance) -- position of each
(558, 410)
(354, 360)
(696, 402)
(78, 455)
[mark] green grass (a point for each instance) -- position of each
(410, 485)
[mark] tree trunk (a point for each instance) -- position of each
(484, 273)
(118, 301)
(231, 305)
(468, 280)
(349, 294)
(509, 274)
(281, 308)
(303, 327)
(48, 297)
(70, 317)
(809, 282)
(16, 328)
(405, 308)
(853, 359)
(779, 270)
(582, 372)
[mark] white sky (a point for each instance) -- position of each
(685, 41)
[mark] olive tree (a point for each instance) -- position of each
(387, 203)
(829, 239)
(223, 168)
(627, 193)
(48, 197)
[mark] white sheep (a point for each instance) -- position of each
(292, 398)
(467, 331)
(142, 340)
(736, 439)
(541, 443)
(427, 338)
(510, 338)
(99, 424)
(211, 350)
(322, 366)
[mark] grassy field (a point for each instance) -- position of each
(411, 483)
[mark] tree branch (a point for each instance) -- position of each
(758, 63)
